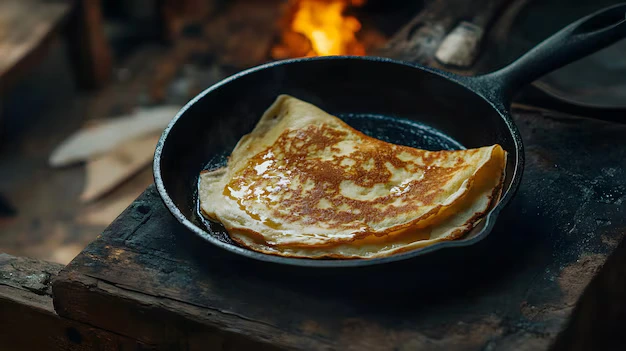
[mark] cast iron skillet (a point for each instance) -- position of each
(396, 101)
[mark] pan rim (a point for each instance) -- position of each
(489, 220)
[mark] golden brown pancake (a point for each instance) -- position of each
(450, 224)
(305, 184)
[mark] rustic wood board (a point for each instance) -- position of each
(27, 318)
(514, 290)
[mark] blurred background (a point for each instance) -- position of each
(87, 86)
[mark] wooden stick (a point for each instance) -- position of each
(89, 48)
(92, 141)
(420, 39)
(106, 172)
(462, 46)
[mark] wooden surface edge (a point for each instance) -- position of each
(153, 321)
(597, 320)
(27, 317)
(148, 316)
(147, 299)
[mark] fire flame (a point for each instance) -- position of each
(328, 30)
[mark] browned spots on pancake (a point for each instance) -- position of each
(312, 155)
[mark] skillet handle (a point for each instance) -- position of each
(579, 39)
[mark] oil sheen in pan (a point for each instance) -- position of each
(401, 131)
(390, 129)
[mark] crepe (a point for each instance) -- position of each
(305, 184)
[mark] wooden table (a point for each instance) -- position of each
(147, 281)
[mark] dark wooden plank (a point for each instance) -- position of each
(597, 320)
(27, 318)
(514, 290)
(28, 275)
(88, 45)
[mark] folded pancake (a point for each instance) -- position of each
(452, 223)
(305, 184)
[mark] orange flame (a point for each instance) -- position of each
(328, 30)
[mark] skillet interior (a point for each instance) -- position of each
(209, 126)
